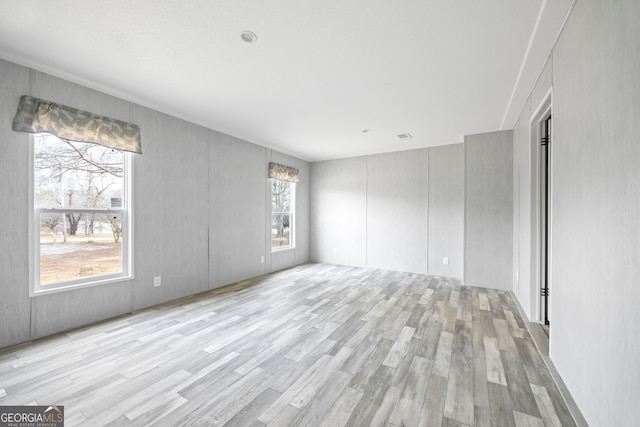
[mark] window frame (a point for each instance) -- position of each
(291, 213)
(126, 237)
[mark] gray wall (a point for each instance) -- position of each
(595, 319)
(397, 211)
(201, 213)
(405, 211)
(371, 211)
(446, 210)
(522, 210)
(170, 210)
(15, 305)
(488, 233)
(238, 210)
(338, 215)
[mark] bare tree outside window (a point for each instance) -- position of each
(75, 186)
(282, 193)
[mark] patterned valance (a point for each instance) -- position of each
(285, 173)
(35, 115)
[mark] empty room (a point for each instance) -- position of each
(320, 213)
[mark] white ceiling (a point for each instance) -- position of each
(320, 72)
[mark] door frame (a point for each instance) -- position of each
(542, 112)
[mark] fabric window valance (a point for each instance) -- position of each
(36, 115)
(285, 173)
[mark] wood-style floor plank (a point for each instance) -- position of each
(409, 407)
(315, 345)
(342, 409)
(433, 408)
(382, 415)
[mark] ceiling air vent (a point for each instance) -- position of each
(404, 136)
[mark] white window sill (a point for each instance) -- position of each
(65, 287)
(284, 249)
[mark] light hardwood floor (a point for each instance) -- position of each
(317, 345)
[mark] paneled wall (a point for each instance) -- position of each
(405, 211)
(488, 210)
(170, 209)
(595, 153)
(15, 305)
(446, 210)
(338, 215)
(596, 196)
(397, 187)
(238, 210)
(523, 210)
(201, 212)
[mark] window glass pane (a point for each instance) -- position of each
(280, 230)
(281, 214)
(76, 174)
(81, 242)
(95, 248)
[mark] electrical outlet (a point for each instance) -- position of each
(157, 281)
(262, 259)
(445, 261)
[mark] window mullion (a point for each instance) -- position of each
(81, 210)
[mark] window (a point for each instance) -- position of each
(81, 214)
(282, 214)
